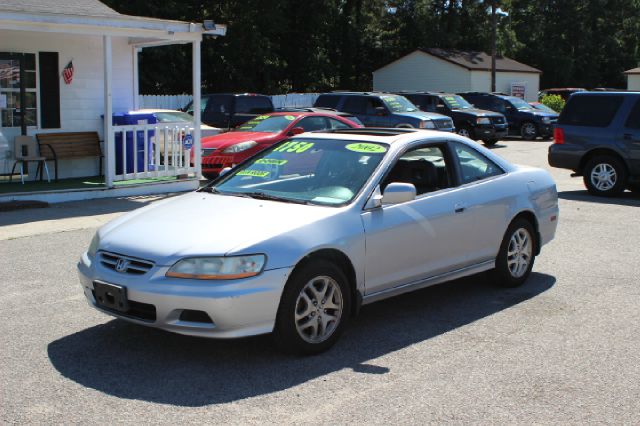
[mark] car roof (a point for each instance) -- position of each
(376, 134)
(236, 94)
(151, 110)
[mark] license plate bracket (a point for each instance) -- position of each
(111, 296)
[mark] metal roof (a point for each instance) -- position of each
(61, 7)
(479, 61)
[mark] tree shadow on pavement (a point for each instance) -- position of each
(135, 362)
(625, 199)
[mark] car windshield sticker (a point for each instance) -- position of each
(452, 101)
(367, 148)
(261, 117)
(253, 122)
(254, 173)
(272, 161)
(392, 101)
(289, 117)
(293, 146)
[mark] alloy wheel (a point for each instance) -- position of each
(318, 309)
(603, 176)
(519, 252)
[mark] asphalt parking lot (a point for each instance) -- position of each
(564, 348)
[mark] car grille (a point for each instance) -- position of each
(125, 264)
(208, 151)
(443, 124)
(497, 120)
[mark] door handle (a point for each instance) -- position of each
(459, 208)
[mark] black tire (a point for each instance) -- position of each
(634, 188)
(528, 131)
(490, 142)
(605, 176)
(506, 273)
(286, 333)
(467, 132)
(404, 126)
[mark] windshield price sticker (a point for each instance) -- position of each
(272, 161)
(253, 173)
(294, 147)
(366, 148)
(261, 117)
(289, 117)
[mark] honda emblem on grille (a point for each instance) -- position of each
(122, 265)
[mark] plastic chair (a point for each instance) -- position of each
(26, 150)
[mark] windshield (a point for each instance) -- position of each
(543, 107)
(313, 171)
(398, 103)
(519, 104)
(266, 123)
(172, 116)
(456, 102)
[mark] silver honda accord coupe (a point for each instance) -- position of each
(296, 239)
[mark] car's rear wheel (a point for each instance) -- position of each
(517, 254)
(605, 175)
(490, 142)
(314, 308)
(528, 131)
(634, 188)
(467, 132)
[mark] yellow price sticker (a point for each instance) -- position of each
(261, 117)
(293, 146)
(253, 173)
(366, 148)
(271, 161)
(289, 117)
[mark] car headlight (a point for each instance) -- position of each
(93, 245)
(218, 268)
(427, 124)
(239, 147)
(546, 120)
(483, 120)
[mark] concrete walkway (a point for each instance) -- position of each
(69, 216)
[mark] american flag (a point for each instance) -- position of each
(67, 73)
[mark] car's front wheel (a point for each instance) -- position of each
(490, 142)
(605, 175)
(528, 131)
(466, 131)
(314, 308)
(517, 254)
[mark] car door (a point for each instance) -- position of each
(357, 105)
(217, 112)
(425, 237)
(378, 113)
(631, 135)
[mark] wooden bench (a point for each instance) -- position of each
(56, 146)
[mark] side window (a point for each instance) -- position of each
(355, 105)
(253, 104)
(425, 167)
(475, 166)
(309, 124)
(591, 111)
(476, 101)
(327, 101)
(219, 104)
(372, 104)
(498, 105)
(633, 121)
(337, 124)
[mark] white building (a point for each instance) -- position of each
(449, 70)
(633, 79)
(39, 39)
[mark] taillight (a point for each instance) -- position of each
(558, 136)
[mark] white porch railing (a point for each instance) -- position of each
(152, 150)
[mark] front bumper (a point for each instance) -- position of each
(491, 132)
(215, 163)
(545, 129)
(236, 308)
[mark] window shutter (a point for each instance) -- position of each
(49, 90)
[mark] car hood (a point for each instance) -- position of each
(227, 139)
(201, 223)
(479, 112)
(422, 115)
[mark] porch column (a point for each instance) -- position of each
(196, 108)
(109, 146)
(136, 80)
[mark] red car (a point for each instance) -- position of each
(231, 148)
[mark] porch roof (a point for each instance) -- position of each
(91, 17)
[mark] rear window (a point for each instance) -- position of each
(633, 121)
(590, 111)
(327, 101)
(253, 104)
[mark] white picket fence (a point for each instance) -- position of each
(297, 100)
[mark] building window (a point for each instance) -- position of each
(17, 79)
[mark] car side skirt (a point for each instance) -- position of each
(438, 279)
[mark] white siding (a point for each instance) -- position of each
(481, 82)
(421, 71)
(82, 101)
(633, 82)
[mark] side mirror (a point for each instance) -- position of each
(398, 192)
(296, 131)
(381, 111)
(440, 107)
(224, 171)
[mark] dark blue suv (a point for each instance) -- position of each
(384, 110)
(598, 137)
(523, 119)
